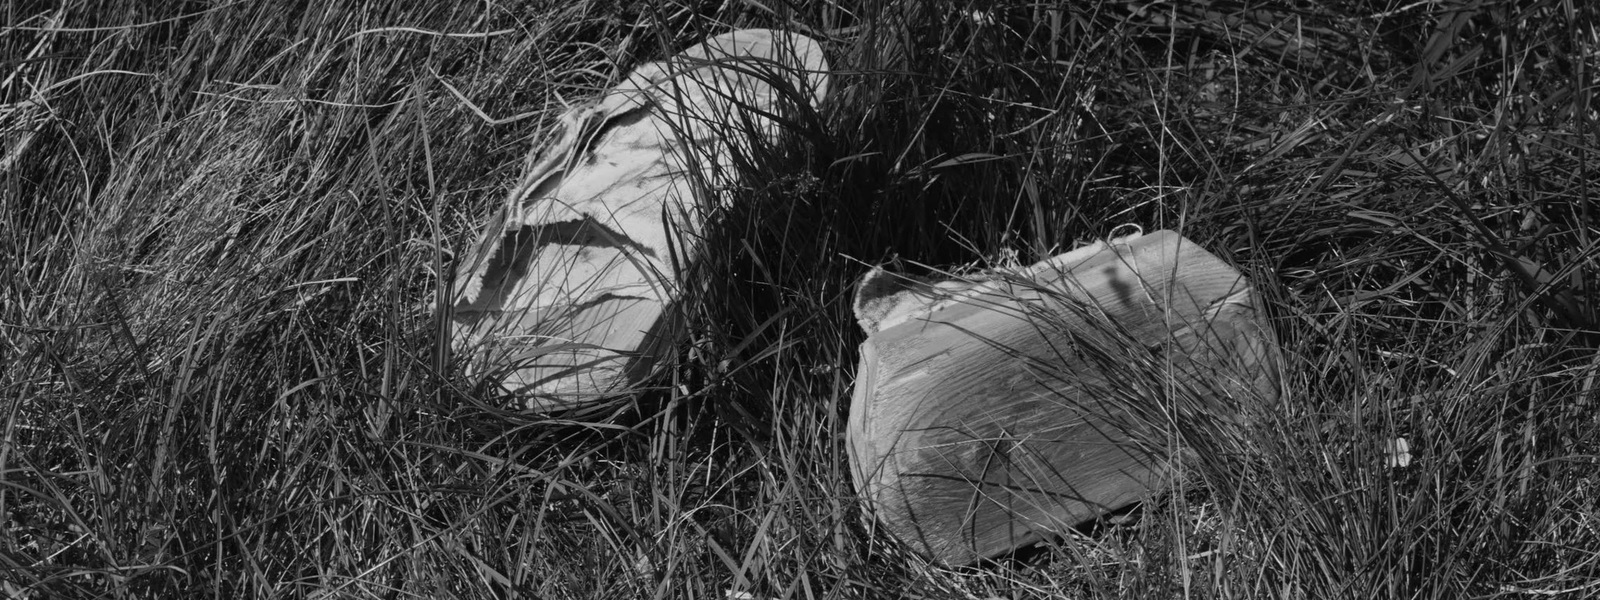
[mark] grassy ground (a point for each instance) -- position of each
(225, 228)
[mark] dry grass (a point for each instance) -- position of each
(226, 228)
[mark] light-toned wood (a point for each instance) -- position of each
(568, 298)
(988, 414)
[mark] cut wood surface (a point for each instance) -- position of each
(569, 297)
(988, 414)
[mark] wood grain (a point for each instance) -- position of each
(1023, 405)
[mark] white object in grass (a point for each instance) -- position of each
(1398, 452)
(565, 301)
(992, 412)
(885, 299)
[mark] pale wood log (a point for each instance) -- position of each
(988, 414)
(569, 297)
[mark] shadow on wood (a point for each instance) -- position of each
(988, 414)
(568, 299)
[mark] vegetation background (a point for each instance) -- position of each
(225, 228)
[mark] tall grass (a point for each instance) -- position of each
(227, 228)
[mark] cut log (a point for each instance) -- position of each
(568, 299)
(987, 414)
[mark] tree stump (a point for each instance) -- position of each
(988, 414)
(568, 299)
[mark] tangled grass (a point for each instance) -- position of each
(227, 228)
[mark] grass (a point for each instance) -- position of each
(226, 228)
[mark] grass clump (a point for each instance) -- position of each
(226, 228)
